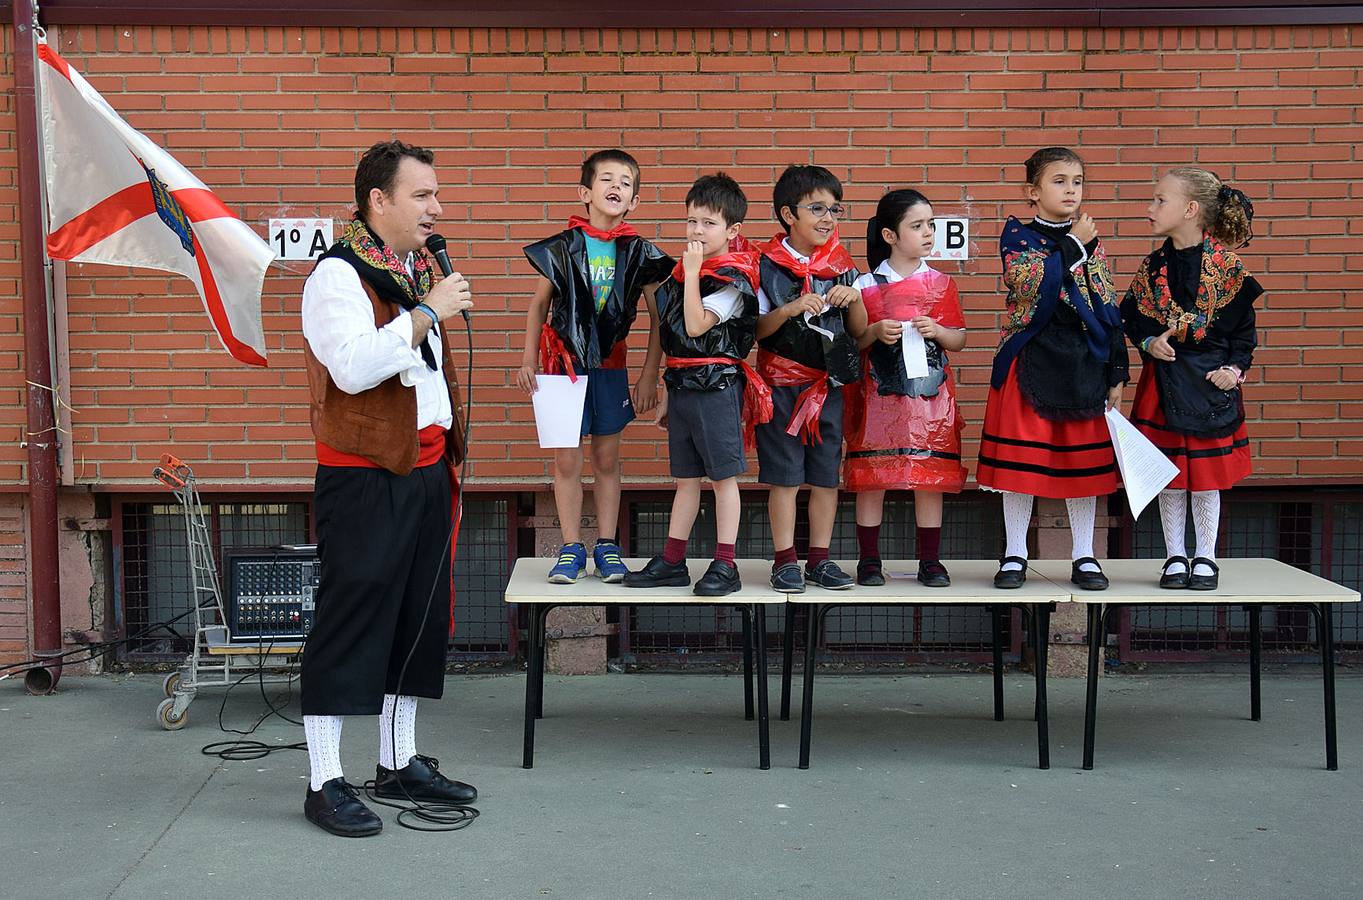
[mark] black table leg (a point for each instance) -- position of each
(1042, 614)
(1034, 641)
(747, 663)
(787, 660)
(1327, 662)
(1256, 642)
(763, 732)
(814, 614)
(534, 637)
(997, 612)
(1091, 696)
(542, 655)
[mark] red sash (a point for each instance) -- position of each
(432, 448)
(756, 394)
(781, 372)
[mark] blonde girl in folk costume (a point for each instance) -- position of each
(1190, 312)
(904, 433)
(1060, 364)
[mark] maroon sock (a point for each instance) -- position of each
(868, 541)
(674, 551)
(817, 555)
(724, 553)
(929, 543)
(786, 556)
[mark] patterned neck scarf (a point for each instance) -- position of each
(379, 267)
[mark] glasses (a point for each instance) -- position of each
(819, 210)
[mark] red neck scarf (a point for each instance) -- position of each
(826, 262)
(744, 261)
(624, 229)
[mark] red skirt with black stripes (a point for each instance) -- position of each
(1204, 464)
(1024, 453)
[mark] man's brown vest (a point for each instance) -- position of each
(379, 424)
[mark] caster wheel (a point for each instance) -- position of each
(165, 714)
(172, 683)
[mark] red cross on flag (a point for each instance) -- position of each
(115, 197)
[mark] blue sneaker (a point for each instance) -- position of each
(609, 567)
(572, 561)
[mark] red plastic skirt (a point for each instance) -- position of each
(902, 443)
(1204, 464)
(1024, 453)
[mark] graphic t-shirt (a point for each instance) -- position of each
(601, 262)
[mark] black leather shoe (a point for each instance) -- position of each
(870, 573)
(1175, 580)
(659, 573)
(1204, 582)
(787, 579)
(1089, 581)
(337, 808)
(828, 576)
(720, 579)
(421, 780)
(1013, 578)
(931, 573)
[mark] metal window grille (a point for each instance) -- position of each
(689, 635)
(155, 584)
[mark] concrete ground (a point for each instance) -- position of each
(647, 786)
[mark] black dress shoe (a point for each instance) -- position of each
(720, 579)
(337, 808)
(658, 572)
(828, 576)
(787, 579)
(1011, 578)
(1204, 582)
(1089, 581)
(1175, 580)
(421, 780)
(931, 573)
(870, 573)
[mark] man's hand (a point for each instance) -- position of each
(1160, 348)
(842, 295)
(645, 394)
(1114, 397)
(1224, 378)
(450, 297)
(926, 326)
(807, 303)
(887, 331)
(692, 258)
(525, 379)
(1084, 229)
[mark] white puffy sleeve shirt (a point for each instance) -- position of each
(338, 323)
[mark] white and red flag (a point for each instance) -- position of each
(115, 197)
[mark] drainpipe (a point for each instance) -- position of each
(42, 436)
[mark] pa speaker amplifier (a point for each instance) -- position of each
(271, 593)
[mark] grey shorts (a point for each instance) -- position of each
(785, 461)
(705, 433)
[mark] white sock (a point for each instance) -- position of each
(324, 748)
(1083, 511)
(397, 731)
(1173, 516)
(1017, 518)
(1206, 523)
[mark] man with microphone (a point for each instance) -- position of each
(387, 417)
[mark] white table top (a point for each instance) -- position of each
(1242, 581)
(529, 585)
(972, 582)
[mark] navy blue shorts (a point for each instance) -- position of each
(705, 433)
(784, 461)
(608, 408)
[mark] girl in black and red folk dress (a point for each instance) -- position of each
(1190, 311)
(1061, 362)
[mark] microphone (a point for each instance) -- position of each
(436, 244)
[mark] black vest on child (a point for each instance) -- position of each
(796, 340)
(732, 338)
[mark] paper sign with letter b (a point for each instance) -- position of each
(558, 402)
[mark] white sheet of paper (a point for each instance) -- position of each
(809, 320)
(1144, 467)
(558, 410)
(915, 352)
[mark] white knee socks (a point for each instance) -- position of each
(324, 748)
(1082, 511)
(397, 731)
(1206, 522)
(1017, 516)
(1173, 516)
